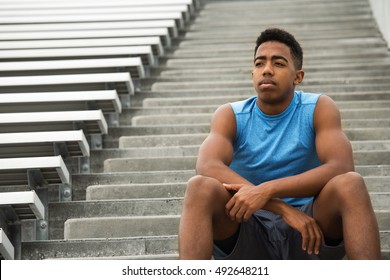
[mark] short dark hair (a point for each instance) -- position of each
(282, 36)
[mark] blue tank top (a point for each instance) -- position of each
(268, 147)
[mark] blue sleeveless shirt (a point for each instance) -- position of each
(268, 147)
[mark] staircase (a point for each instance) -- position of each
(130, 204)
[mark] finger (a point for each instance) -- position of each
(234, 187)
(229, 205)
(305, 240)
(248, 214)
(240, 214)
(232, 213)
(312, 239)
(319, 240)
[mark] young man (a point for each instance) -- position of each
(276, 175)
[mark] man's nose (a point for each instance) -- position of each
(268, 69)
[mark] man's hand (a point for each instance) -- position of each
(312, 236)
(245, 201)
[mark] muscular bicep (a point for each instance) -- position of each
(218, 146)
(333, 146)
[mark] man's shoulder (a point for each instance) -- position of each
(243, 106)
(308, 97)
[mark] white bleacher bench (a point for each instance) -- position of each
(163, 33)
(93, 3)
(105, 100)
(26, 204)
(154, 42)
(170, 24)
(52, 169)
(37, 173)
(91, 121)
(133, 65)
(145, 52)
(7, 250)
(38, 144)
(121, 82)
(68, 144)
(23, 11)
(177, 16)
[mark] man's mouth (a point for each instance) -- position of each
(266, 83)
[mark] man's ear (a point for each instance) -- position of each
(299, 77)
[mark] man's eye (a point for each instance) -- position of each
(257, 64)
(279, 64)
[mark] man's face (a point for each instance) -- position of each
(274, 75)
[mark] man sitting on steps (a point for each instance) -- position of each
(275, 177)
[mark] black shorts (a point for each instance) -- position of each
(265, 236)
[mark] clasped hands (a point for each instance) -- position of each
(247, 199)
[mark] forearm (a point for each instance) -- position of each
(220, 171)
(306, 184)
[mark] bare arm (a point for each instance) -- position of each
(216, 152)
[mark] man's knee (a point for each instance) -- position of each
(202, 188)
(347, 185)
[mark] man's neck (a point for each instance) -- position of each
(275, 108)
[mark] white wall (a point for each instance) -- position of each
(381, 11)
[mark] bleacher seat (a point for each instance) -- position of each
(177, 16)
(121, 82)
(154, 42)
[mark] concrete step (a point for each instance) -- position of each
(130, 257)
(119, 227)
(82, 181)
(135, 191)
(100, 248)
(377, 183)
(97, 160)
(373, 170)
(149, 164)
(162, 140)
